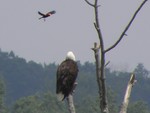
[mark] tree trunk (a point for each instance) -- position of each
(71, 104)
(127, 94)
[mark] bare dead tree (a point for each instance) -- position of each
(100, 52)
(71, 104)
(127, 94)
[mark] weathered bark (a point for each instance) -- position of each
(100, 74)
(127, 94)
(71, 104)
(100, 64)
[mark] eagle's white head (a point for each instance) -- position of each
(71, 56)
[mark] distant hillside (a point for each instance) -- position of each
(24, 78)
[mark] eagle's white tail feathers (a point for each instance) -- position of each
(60, 96)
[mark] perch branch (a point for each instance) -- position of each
(127, 27)
(71, 104)
(127, 94)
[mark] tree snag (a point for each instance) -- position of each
(127, 94)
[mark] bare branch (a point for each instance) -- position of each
(98, 69)
(71, 104)
(100, 78)
(100, 64)
(99, 53)
(89, 3)
(127, 27)
(96, 27)
(96, 47)
(127, 94)
(107, 63)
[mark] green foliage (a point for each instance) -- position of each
(90, 104)
(140, 71)
(112, 100)
(45, 103)
(26, 105)
(20, 75)
(138, 107)
(23, 79)
(2, 94)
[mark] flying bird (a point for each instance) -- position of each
(46, 15)
(66, 77)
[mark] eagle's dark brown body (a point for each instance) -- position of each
(66, 77)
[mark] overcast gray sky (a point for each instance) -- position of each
(71, 28)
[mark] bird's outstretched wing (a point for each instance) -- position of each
(41, 13)
(52, 12)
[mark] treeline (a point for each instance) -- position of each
(29, 87)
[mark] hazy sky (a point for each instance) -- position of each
(71, 28)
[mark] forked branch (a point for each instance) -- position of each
(100, 51)
(89, 3)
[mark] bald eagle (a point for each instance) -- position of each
(66, 76)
